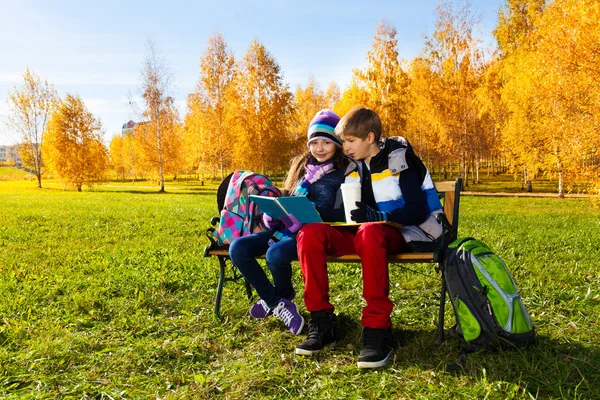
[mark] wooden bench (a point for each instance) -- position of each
(449, 192)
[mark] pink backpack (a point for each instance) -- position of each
(239, 216)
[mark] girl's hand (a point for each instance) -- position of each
(291, 223)
(270, 222)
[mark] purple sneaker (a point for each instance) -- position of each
(260, 309)
(288, 313)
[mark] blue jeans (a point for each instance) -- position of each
(243, 251)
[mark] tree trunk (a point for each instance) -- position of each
(561, 190)
(221, 162)
(160, 162)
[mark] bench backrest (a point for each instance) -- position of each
(449, 192)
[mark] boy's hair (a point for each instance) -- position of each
(358, 122)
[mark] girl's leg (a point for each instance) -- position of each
(243, 252)
(279, 261)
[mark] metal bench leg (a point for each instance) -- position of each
(248, 289)
(217, 312)
(442, 310)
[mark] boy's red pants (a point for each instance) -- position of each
(372, 242)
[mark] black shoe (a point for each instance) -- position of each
(378, 347)
(321, 333)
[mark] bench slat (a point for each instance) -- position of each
(445, 186)
(403, 257)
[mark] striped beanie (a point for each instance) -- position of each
(322, 127)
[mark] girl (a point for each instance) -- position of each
(318, 175)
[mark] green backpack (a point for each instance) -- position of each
(488, 309)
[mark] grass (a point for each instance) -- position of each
(12, 173)
(105, 294)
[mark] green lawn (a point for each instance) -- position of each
(106, 293)
(11, 173)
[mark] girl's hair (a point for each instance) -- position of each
(296, 172)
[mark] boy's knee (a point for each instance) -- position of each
(370, 233)
(312, 232)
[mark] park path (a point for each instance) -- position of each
(506, 194)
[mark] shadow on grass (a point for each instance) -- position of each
(546, 369)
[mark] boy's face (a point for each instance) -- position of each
(356, 148)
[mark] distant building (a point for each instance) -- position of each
(128, 127)
(10, 154)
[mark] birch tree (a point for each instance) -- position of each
(30, 108)
(159, 137)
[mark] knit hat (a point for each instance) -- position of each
(322, 127)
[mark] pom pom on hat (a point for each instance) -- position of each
(322, 126)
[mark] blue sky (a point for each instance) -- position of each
(96, 49)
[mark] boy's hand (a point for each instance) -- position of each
(291, 223)
(315, 172)
(364, 213)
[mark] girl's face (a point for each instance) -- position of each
(322, 149)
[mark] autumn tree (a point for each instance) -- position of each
(516, 24)
(117, 156)
(551, 93)
(73, 146)
(456, 61)
(424, 127)
(195, 139)
(160, 136)
(264, 107)
(309, 100)
(354, 95)
(385, 81)
(31, 106)
(132, 156)
(515, 34)
(492, 112)
(332, 95)
(207, 124)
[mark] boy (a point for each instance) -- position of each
(395, 187)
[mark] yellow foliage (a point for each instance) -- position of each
(208, 129)
(73, 145)
(552, 91)
(385, 82)
(309, 101)
(264, 110)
